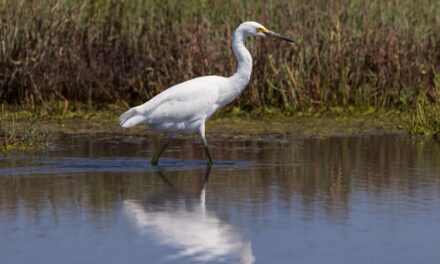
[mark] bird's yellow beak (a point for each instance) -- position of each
(272, 34)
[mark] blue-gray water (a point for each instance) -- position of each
(96, 199)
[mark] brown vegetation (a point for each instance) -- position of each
(365, 53)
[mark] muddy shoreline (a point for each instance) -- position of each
(243, 127)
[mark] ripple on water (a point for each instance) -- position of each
(117, 165)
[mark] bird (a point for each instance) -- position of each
(187, 106)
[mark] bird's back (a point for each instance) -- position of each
(180, 107)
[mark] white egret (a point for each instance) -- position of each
(185, 107)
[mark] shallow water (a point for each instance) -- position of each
(96, 199)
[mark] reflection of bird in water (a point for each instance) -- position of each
(194, 231)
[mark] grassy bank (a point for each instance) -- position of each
(23, 130)
(231, 122)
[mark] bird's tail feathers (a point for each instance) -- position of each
(131, 118)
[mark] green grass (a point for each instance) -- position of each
(24, 135)
(425, 120)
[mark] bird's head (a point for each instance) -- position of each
(251, 28)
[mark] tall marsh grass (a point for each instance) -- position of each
(358, 53)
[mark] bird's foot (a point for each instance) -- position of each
(154, 160)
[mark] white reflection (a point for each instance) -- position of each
(194, 231)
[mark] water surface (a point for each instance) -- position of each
(96, 199)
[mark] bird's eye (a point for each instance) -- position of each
(262, 30)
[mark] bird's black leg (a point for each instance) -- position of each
(205, 144)
(156, 155)
(207, 172)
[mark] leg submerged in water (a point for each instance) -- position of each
(156, 155)
(205, 144)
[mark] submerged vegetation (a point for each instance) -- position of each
(351, 54)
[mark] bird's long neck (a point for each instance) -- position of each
(244, 59)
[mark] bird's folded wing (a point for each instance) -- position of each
(184, 109)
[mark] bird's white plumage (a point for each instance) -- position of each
(185, 107)
(180, 108)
